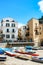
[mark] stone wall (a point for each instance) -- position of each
(3, 45)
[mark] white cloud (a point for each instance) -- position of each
(20, 24)
(40, 3)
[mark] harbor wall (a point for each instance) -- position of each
(3, 45)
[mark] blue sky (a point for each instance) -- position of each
(20, 10)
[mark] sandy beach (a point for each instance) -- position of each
(16, 61)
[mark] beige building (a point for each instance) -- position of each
(32, 32)
(21, 32)
(41, 30)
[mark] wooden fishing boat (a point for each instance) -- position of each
(24, 52)
(1, 51)
(36, 59)
(24, 56)
(10, 53)
(2, 57)
(28, 47)
(28, 53)
(35, 54)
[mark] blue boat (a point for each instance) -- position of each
(7, 49)
(28, 47)
(1, 51)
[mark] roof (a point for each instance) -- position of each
(8, 19)
(32, 19)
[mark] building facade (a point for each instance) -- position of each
(10, 29)
(41, 30)
(21, 33)
(32, 32)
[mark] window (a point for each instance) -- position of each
(13, 36)
(13, 30)
(1, 24)
(24, 27)
(13, 25)
(2, 21)
(7, 24)
(36, 24)
(7, 30)
(13, 21)
(7, 36)
(40, 27)
(36, 32)
(40, 32)
(7, 20)
(3, 35)
(27, 34)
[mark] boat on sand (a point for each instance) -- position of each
(37, 59)
(2, 57)
(10, 53)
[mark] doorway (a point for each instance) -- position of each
(41, 43)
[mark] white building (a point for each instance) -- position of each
(10, 29)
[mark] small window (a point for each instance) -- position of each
(13, 36)
(7, 20)
(7, 24)
(36, 24)
(3, 35)
(13, 30)
(7, 30)
(13, 25)
(7, 36)
(1, 24)
(36, 32)
(13, 21)
(28, 34)
(40, 27)
(40, 32)
(24, 27)
(2, 21)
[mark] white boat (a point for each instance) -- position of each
(24, 56)
(37, 59)
(2, 57)
(10, 53)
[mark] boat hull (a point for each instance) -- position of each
(38, 60)
(10, 54)
(29, 53)
(2, 58)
